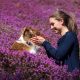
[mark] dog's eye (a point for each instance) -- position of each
(29, 43)
(30, 35)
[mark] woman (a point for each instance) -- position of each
(67, 52)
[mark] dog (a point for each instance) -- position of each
(24, 43)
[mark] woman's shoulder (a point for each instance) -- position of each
(71, 34)
(68, 36)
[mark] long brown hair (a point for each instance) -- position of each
(68, 20)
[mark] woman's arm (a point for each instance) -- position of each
(62, 50)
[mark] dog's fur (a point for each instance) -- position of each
(24, 43)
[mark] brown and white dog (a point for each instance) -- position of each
(24, 43)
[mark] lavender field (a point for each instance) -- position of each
(14, 16)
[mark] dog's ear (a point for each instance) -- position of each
(23, 30)
(26, 29)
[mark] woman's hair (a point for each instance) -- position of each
(68, 20)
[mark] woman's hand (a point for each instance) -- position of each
(38, 40)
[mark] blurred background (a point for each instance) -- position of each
(16, 14)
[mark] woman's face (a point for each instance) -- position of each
(55, 25)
